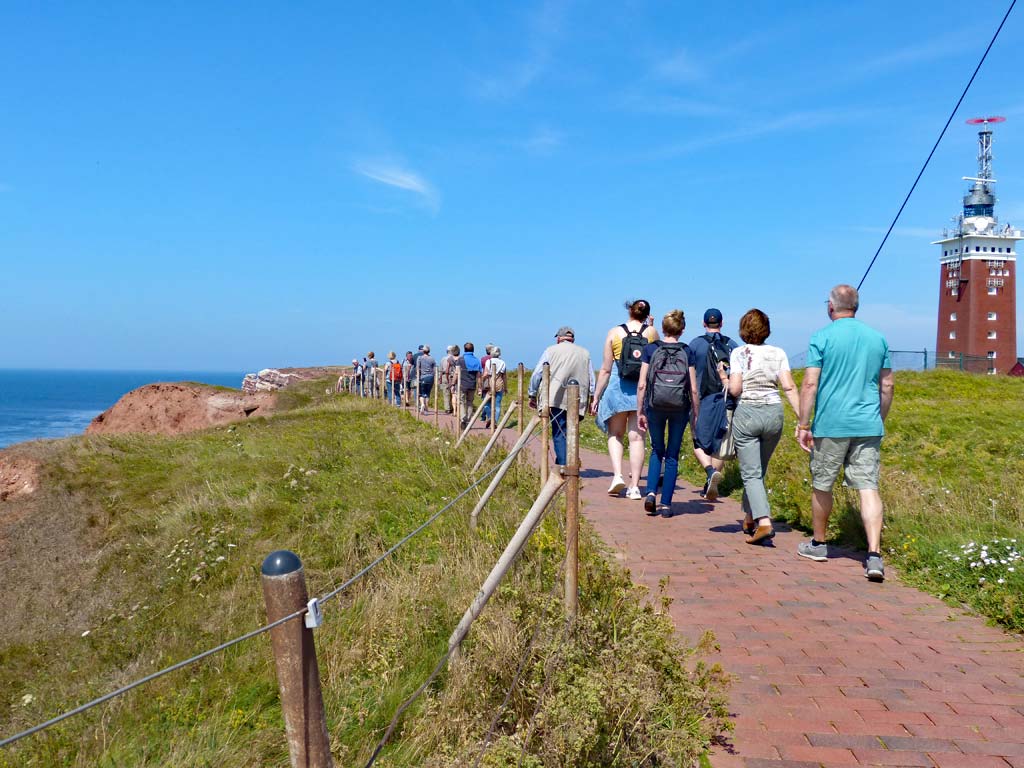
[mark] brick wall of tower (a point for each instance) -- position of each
(972, 306)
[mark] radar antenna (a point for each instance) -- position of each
(984, 147)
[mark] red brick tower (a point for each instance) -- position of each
(978, 277)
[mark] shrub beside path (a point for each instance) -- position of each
(829, 669)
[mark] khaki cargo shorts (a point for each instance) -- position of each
(860, 456)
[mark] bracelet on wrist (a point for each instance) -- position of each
(805, 427)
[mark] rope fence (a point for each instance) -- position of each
(311, 611)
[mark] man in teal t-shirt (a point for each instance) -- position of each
(848, 383)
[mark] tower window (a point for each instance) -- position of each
(993, 316)
(952, 315)
(991, 334)
(977, 248)
(952, 354)
(992, 290)
(991, 354)
(952, 334)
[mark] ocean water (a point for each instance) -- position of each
(38, 404)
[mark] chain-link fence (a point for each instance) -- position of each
(970, 363)
(902, 360)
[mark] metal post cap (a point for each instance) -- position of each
(281, 563)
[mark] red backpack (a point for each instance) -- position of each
(396, 370)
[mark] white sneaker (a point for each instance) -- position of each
(618, 486)
(634, 494)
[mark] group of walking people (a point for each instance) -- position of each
(731, 395)
(460, 375)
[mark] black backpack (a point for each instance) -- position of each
(718, 352)
(632, 350)
(668, 378)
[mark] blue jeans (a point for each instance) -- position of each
(486, 415)
(559, 422)
(393, 390)
(665, 452)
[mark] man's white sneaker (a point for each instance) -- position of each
(618, 486)
(712, 492)
(634, 494)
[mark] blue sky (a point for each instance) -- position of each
(223, 186)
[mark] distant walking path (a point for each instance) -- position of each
(829, 668)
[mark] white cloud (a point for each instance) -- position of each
(543, 32)
(543, 141)
(943, 47)
(753, 128)
(680, 67)
(395, 176)
(662, 104)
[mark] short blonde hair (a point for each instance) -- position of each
(673, 323)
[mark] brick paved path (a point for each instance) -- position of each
(829, 668)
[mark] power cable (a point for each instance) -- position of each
(936, 146)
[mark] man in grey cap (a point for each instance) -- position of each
(567, 361)
(712, 421)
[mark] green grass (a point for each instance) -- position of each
(178, 528)
(952, 476)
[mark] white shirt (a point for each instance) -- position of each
(760, 365)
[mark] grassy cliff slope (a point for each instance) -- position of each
(139, 551)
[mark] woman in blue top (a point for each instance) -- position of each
(671, 418)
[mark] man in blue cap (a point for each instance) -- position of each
(708, 351)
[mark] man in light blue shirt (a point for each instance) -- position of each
(848, 384)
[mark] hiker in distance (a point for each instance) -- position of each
(493, 376)
(848, 386)
(615, 402)
(666, 396)
(710, 351)
(425, 370)
(757, 370)
(469, 367)
(567, 362)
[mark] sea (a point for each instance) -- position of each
(43, 403)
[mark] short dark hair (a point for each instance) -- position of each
(755, 327)
(468, 346)
(639, 309)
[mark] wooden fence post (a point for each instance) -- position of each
(522, 404)
(503, 469)
(494, 436)
(302, 703)
(457, 395)
(512, 550)
(571, 471)
(437, 387)
(416, 394)
(545, 423)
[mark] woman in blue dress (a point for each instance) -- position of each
(615, 398)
